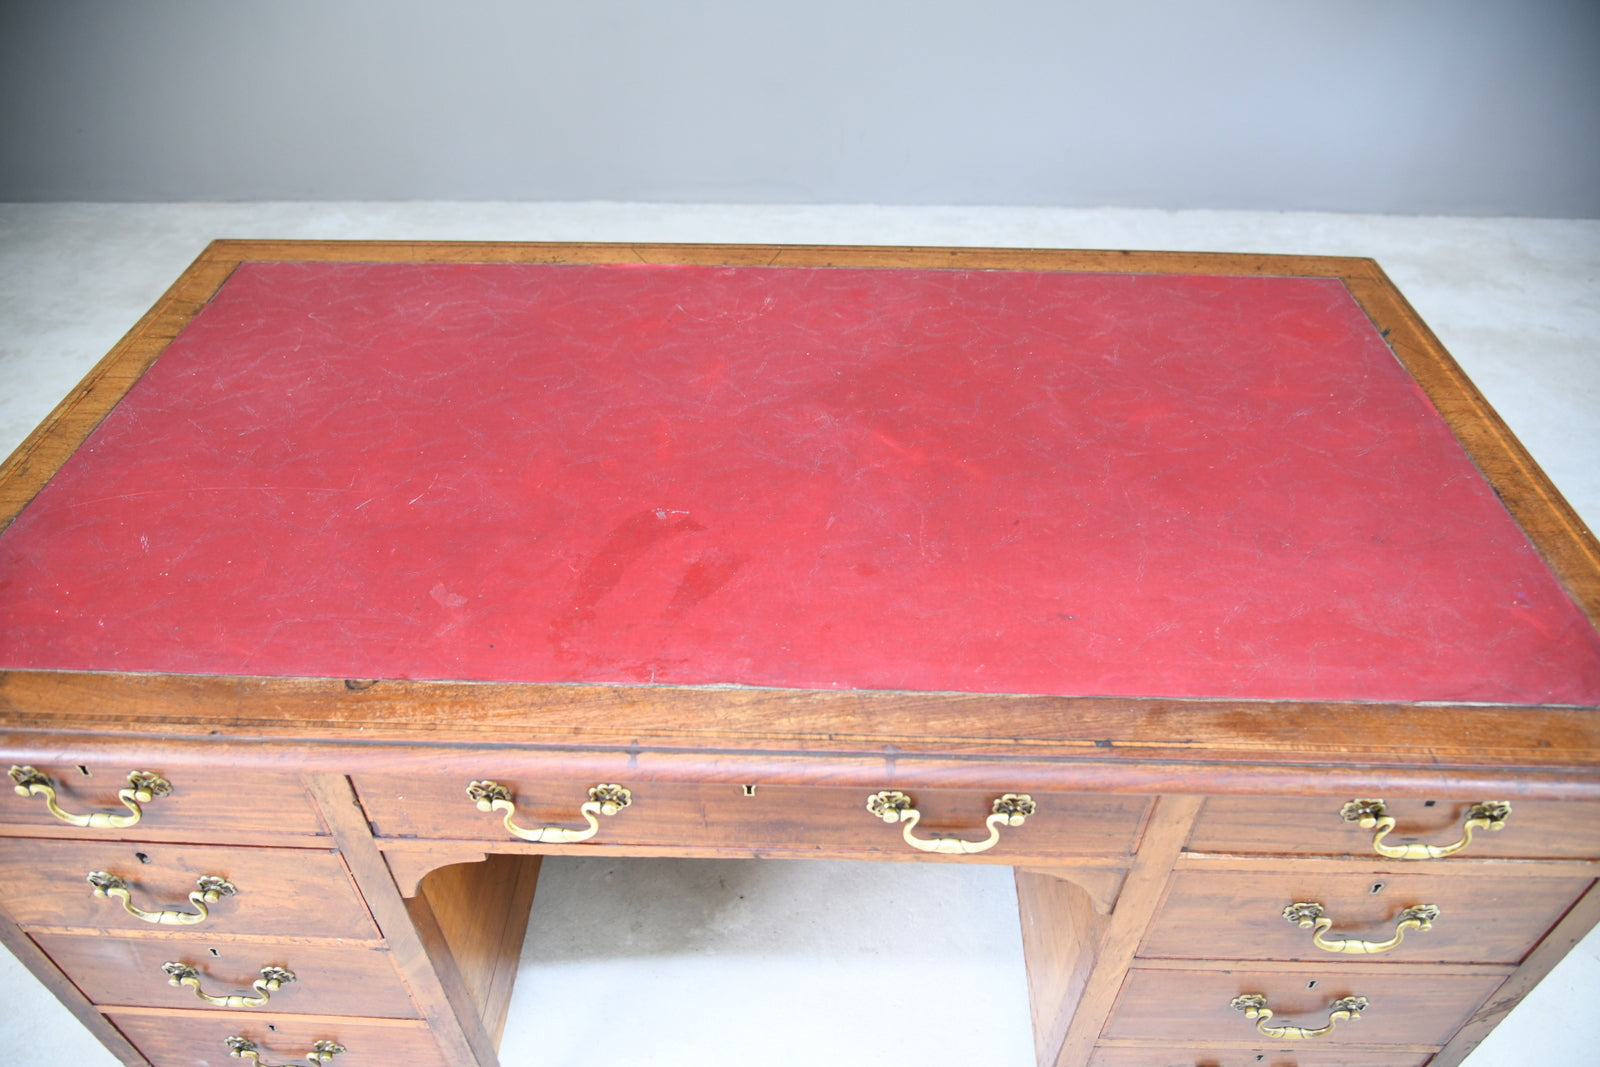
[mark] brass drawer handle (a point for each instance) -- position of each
(209, 889)
(1010, 809)
(242, 1048)
(1308, 914)
(181, 974)
(143, 787)
(603, 800)
(1254, 1006)
(1371, 814)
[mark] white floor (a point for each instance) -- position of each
(777, 963)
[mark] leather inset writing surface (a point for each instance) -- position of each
(1005, 481)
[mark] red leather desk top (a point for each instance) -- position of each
(1000, 481)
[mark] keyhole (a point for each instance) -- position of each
(1377, 887)
(83, 770)
(271, 1027)
(749, 790)
(1311, 984)
(1429, 803)
(214, 952)
(141, 857)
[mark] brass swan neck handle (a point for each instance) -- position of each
(604, 799)
(209, 889)
(1373, 815)
(243, 1048)
(143, 787)
(1309, 915)
(1010, 809)
(1254, 1006)
(271, 980)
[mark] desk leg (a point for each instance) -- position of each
(416, 941)
(1077, 956)
(480, 912)
(1061, 936)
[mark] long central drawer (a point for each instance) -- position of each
(766, 817)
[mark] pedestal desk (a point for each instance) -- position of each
(1203, 590)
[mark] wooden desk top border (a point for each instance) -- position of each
(1497, 740)
(806, 735)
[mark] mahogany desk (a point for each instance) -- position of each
(1203, 590)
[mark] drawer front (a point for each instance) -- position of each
(773, 819)
(1483, 918)
(329, 979)
(212, 801)
(1254, 1057)
(1313, 826)
(1194, 1005)
(45, 883)
(200, 1039)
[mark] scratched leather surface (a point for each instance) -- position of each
(929, 480)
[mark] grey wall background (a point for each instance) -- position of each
(1404, 106)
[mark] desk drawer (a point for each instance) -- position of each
(328, 979)
(801, 819)
(1484, 917)
(286, 892)
(1263, 1056)
(1404, 1008)
(1534, 829)
(200, 1039)
(186, 800)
